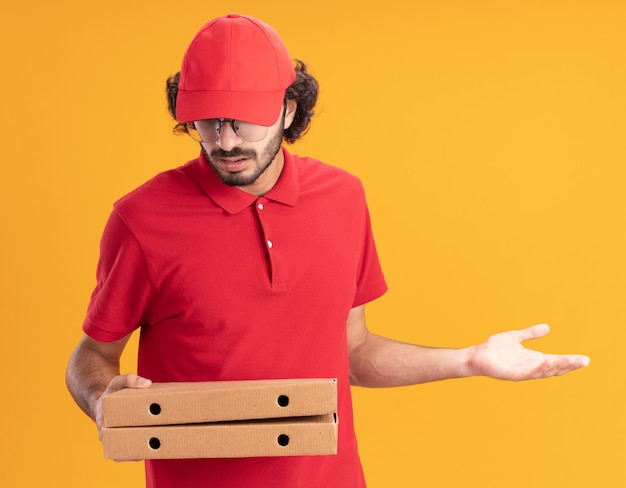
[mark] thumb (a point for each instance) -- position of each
(129, 380)
(534, 332)
(119, 382)
(136, 381)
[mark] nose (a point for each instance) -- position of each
(228, 138)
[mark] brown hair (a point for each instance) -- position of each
(303, 90)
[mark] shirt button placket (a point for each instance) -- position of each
(278, 283)
(260, 205)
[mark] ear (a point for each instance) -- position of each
(290, 112)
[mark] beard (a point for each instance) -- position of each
(262, 160)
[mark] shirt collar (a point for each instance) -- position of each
(232, 199)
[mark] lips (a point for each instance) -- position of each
(233, 165)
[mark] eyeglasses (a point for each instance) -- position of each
(209, 130)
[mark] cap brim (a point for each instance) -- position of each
(257, 108)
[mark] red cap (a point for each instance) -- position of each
(236, 67)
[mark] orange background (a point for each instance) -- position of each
(490, 138)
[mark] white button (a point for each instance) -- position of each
(260, 206)
(270, 244)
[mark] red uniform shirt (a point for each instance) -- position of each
(229, 286)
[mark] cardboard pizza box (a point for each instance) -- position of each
(215, 401)
(301, 436)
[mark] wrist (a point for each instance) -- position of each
(467, 366)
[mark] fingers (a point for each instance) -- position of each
(557, 365)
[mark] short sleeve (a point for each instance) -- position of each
(121, 299)
(370, 280)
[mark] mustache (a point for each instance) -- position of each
(235, 152)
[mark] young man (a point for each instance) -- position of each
(252, 263)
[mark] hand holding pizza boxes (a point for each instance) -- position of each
(221, 419)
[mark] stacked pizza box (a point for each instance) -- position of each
(222, 419)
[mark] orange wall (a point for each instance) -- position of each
(490, 138)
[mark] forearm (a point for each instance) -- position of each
(381, 362)
(89, 372)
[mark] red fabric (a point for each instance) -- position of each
(187, 259)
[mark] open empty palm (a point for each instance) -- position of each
(503, 356)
